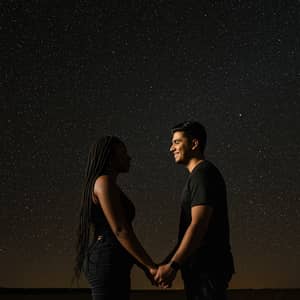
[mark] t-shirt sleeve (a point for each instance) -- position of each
(200, 191)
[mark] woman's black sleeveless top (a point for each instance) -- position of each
(100, 222)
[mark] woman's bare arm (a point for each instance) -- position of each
(108, 195)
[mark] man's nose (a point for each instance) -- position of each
(171, 148)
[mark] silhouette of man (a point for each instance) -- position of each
(203, 252)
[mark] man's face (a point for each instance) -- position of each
(181, 148)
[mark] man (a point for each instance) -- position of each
(203, 251)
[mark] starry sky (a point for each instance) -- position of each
(71, 72)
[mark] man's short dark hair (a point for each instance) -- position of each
(193, 130)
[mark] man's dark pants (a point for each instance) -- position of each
(205, 289)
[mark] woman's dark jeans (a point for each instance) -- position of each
(107, 270)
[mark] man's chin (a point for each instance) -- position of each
(178, 161)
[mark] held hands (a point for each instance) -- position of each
(162, 276)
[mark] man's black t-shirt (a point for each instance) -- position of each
(205, 186)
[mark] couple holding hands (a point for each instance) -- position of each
(202, 253)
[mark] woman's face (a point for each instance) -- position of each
(121, 159)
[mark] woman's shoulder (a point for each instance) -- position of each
(103, 179)
(103, 183)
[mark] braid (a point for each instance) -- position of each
(97, 161)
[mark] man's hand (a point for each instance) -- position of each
(165, 276)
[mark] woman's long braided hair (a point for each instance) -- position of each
(99, 155)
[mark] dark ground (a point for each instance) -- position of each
(84, 294)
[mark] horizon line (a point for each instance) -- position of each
(138, 290)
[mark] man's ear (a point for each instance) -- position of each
(195, 144)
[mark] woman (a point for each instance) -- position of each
(108, 259)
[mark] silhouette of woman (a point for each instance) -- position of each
(107, 257)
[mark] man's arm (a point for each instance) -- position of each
(192, 240)
(194, 234)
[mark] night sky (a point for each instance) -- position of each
(70, 74)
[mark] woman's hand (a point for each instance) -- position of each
(151, 273)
